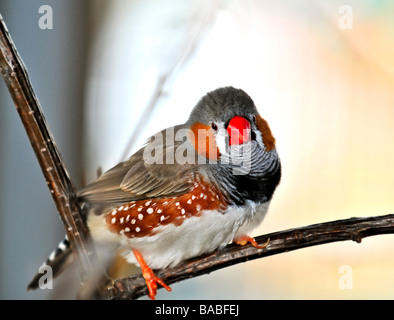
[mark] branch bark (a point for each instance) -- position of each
(354, 229)
(63, 192)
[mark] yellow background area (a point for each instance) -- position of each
(328, 94)
(335, 135)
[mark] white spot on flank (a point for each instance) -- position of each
(137, 229)
(113, 220)
(198, 207)
(201, 195)
(189, 201)
(165, 202)
(126, 208)
(177, 203)
(162, 218)
(133, 221)
(159, 211)
(113, 212)
(127, 229)
(140, 216)
(183, 211)
(193, 197)
(133, 205)
(148, 203)
(120, 208)
(139, 209)
(150, 210)
(127, 218)
(121, 220)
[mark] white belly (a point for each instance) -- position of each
(196, 235)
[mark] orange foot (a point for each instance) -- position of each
(150, 278)
(243, 240)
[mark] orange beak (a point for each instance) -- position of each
(239, 130)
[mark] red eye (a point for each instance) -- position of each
(214, 126)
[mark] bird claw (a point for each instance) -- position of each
(152, 281)
(244, 240)
(150, 278)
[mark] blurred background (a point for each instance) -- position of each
(109, 74)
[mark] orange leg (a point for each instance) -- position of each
(243, 240)
(149, 276)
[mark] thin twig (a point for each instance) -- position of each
(63, 192)
(191, 39)
(283, 241)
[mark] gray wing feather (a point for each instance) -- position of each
(135, 179)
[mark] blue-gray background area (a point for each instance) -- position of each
(29, 224)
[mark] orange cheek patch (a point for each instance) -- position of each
(268, 138)
(203, 140)
(140, 218)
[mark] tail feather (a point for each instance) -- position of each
(57, 260)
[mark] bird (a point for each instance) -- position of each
(191, 189)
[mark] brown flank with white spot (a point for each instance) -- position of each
(140, 218)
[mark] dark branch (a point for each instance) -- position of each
(283, 241)
(63, 192)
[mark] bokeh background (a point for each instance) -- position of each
(111, 73)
